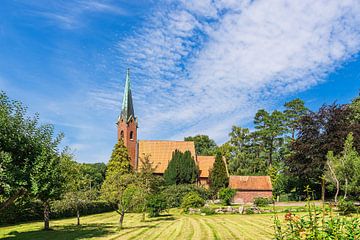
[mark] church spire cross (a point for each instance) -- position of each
(127, 110)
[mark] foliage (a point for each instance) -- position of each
(192, 200)
(262, 201)
(207, 210)
(175, 193)
(156, 204)
(344, 169)
(294, 110)
(218, 176)
(346, 207)
(226, 195)
(121, 187)
(181, 169)
(119, 162)
(28, 154)
(316, 225)
(319, 133)
(203, 144)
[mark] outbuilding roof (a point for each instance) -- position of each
(250, 183)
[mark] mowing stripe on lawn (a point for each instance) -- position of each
(248, 228)
(223, 230)
(213, 230)
(158, 231)
(207, 229)
(240, 229)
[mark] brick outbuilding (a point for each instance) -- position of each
(249, 187)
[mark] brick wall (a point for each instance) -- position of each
(126, 129)
(249, 196)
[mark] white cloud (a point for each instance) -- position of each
(201, 66)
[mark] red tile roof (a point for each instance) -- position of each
(205, 163)
(257, 183)
(160, 152)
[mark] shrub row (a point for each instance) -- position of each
(26, 209)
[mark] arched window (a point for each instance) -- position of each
(131, 135)
(122, 134)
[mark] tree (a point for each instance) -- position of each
(77, 184)
(344, 168)
(218, 176)
(243, 153)
(294, 110)
(270, 129)
(46, 181)
(123, 191)
(150, 184)
(181, 169)
(121, 186)
(203, 144)
(23, 144)
(319, 133)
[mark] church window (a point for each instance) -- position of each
(122, 134)
(131, 135)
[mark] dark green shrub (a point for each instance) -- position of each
(155, 205)
(175, 193)
(226, 195)
(207, 210)
(262, 201)
(192, 200)
(249, 211)
(346, 207)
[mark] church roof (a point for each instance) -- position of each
(205, 163)
(160, 152)
(252, 183)
(127, 109)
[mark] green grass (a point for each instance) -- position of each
(171, 226)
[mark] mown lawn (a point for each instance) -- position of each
(172, 226)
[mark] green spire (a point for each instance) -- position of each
(127, 110)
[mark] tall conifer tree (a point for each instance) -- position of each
(218, 174)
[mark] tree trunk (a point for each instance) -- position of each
(323, 190)
(122, 214)
(46, 216)
(10, 200)
(78, 216)
(336, 181)
(346, 186)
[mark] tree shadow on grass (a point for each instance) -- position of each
(66, 232)
(162, 218)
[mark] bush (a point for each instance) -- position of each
(316, 225)
(346, 207)
(262, 201)
(249, 211)
(155, 205)
(28, 209)
(175, 193)
(192, 199)
(207, 210)
(226, 194)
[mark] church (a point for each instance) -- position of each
(160, 153)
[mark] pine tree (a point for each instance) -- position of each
(181, 169)
(218, 175)
(120, 161)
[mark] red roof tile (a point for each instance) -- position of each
(260, 183)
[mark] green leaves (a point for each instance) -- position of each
(181, 169)
(218, 175)
(203, 144)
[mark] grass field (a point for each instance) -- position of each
(172, 226)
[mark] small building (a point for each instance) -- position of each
(249, 187)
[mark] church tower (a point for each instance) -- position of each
(127, 122)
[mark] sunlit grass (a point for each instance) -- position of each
(172, 226)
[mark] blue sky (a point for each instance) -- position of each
(197, 67)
